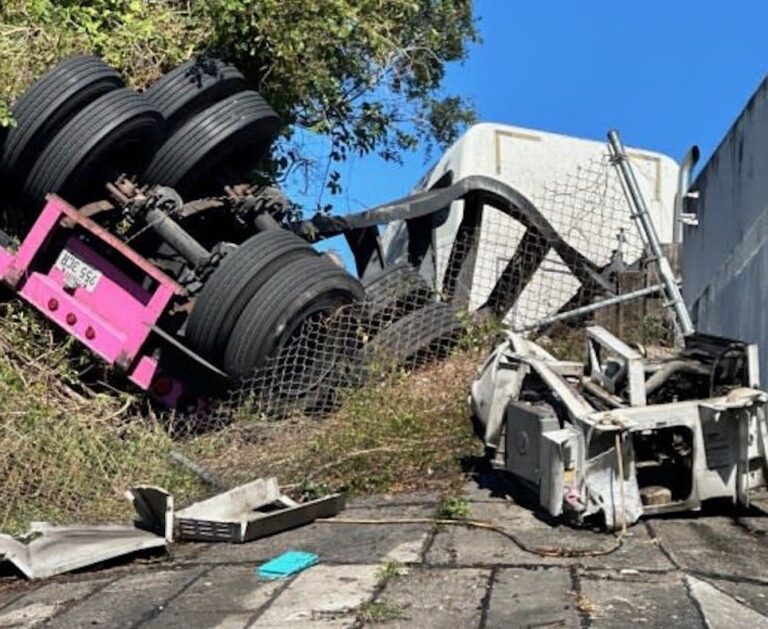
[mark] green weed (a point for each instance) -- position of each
(453, 508)
(390, 570)
(380, 612)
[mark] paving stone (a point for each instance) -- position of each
(408, 552)
(638, 551)
(125, 602)
(42, 603)
(535, 531)
(201, 620)
(322, 597)
(11, 590)
(438, 598)
(751, 594)
(491, 500)
(412, 503)
(29, 615)
(61, 591)
(613, 600)
(214, 585)
(722, 611)
(234, 592)
(714, 546)
(538, 597)
(459, 546)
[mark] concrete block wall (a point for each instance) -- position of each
(725, 257)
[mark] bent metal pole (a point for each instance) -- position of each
(635, 198)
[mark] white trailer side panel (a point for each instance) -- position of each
(533, 162)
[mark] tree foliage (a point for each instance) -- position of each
(365, 73)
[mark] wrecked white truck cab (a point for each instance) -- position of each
(623, 435)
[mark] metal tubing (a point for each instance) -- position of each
(611, 301)
(265, 221)
(643, 218)
(172, 233)
(172, 340)
(670, 369)
(683, 183)
(197, 469)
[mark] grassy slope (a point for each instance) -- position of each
(409, 431)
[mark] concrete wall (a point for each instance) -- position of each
(725, 257)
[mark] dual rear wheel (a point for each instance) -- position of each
(263, 315)
(78, 128)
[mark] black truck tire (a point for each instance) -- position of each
(232, 285)
(230, 136)
(115, 134)
(50, 103)
(394, 293)
(300, 290)
(193, 86)
(423, 335)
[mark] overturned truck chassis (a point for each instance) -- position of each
(623, 435)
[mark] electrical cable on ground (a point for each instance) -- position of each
(542, 551)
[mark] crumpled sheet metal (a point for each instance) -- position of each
(154, 506)
(241, 514)
(48, 549)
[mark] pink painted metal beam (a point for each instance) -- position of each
(114, 315)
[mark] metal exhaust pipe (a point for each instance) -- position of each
(683, 183)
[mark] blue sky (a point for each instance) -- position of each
(668, 74)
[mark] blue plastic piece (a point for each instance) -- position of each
(287, 564)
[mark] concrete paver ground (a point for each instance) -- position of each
(688, 571)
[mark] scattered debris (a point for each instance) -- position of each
(241, 514)
(287, 564)
(238, 515)
(48, 550)
(154, 507)
(625, 435)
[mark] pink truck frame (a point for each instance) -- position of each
(114, 313)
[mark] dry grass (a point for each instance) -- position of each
(408, 431)
(653, 331)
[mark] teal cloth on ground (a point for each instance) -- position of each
(287, 564)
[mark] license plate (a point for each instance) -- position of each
(77, 272)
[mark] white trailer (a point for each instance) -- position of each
(572, 184)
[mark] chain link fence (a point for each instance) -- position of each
(402, 325)
(530, 277)
(503, 273)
